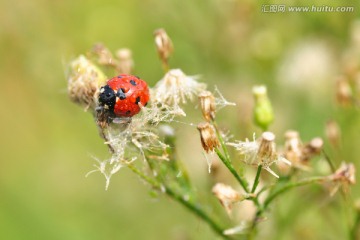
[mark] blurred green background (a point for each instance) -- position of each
(47, 143)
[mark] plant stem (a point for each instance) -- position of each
(257, 178)
(354, 229)
(189, 205)
(289, 186)
(227, 163)
(272, 196)
(328, 160)
(222, 142)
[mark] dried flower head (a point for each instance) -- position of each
(163, 44)
(345, 173)
(207, 104)
(263, 113)
(84, 80)
(261, 152)
(209, 140)
(227, 196)
(126, 63)
(176, 88)
(136, 139)
(343, 176)
(333, 133)
(311, 149)
(293, 146)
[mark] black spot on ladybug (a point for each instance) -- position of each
(120, 93)
(123, 90)
(133, 82)
(127, 112)
(137, 100)
(119, 76)
(107, 97)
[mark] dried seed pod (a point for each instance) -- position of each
(164, 45)
(267, 152)
(207, 104)
(208, 136)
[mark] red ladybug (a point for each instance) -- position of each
(122, 95)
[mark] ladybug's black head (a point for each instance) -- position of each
(107, 97)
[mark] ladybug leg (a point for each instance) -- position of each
(103, 116)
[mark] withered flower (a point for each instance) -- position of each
(164, 45)
(227, 196)
(207, 104)
(84, 81)
(209, 140)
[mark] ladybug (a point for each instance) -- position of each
(122, 96)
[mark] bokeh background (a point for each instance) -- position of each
(47, 143)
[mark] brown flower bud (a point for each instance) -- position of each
(267, 152)
(209, 140)
(163, 44)
(207, 104)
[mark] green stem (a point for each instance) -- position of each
(289, 186)
(190, 206)
(257, 179)
(227, 163)
(272, 196)
(354, 230)
(222, 142)
(328, 160)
